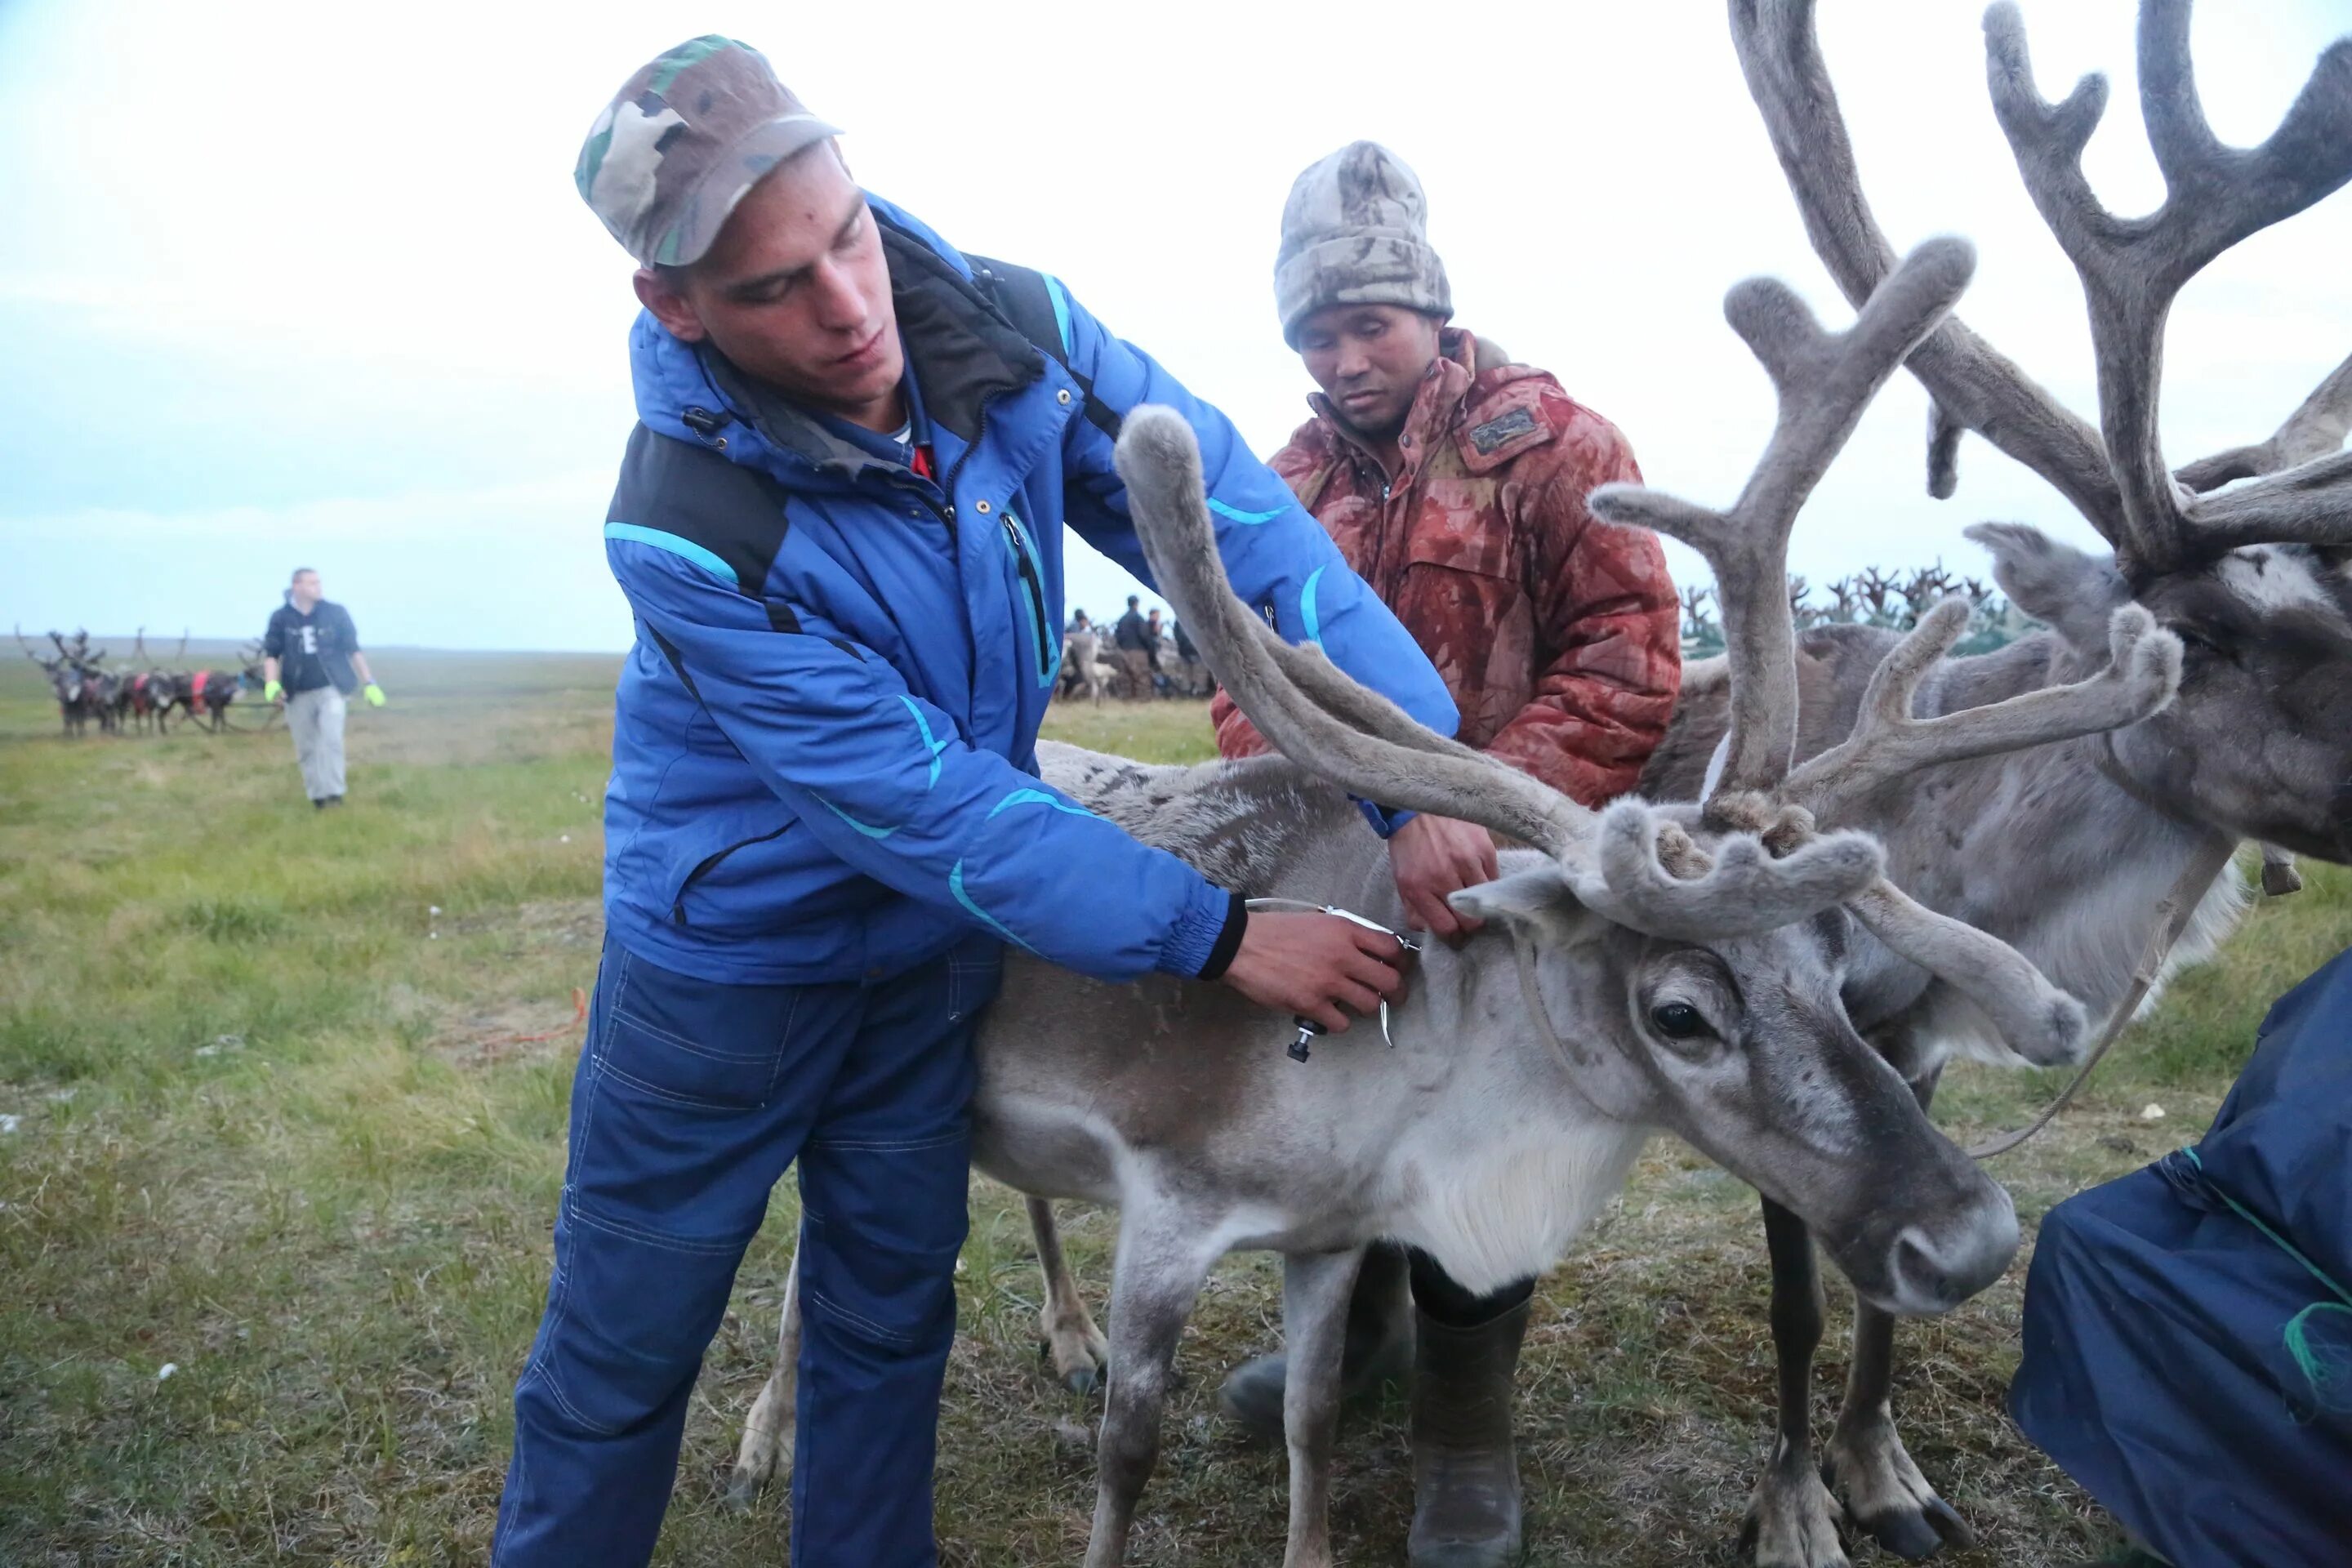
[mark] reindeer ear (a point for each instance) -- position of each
(1538, 902)
(2073, 593)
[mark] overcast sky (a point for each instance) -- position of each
(308, 284)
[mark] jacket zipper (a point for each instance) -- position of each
(1027, 567)
(708, 863)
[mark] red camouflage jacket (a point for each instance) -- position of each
(1558, 634)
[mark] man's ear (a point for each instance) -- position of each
(670, 308)
(1538, 902)
(2057, 585)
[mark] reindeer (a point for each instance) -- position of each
(2067, 851)
(1083, 668)
(207, 693)
(144, 691)
(72, 681)
(1644, 967)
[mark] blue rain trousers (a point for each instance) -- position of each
(691, 1100)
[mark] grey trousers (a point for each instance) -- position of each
(316, 718)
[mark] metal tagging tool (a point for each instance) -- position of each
(1308, 1027)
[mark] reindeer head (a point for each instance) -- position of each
(1740, 1047)
(2243, 554)
(1714, 935)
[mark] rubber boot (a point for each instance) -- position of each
(1465, 1474)
(1377, 1349)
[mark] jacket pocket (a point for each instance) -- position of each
(1462, 598)
(1029, 576)
(700, 869)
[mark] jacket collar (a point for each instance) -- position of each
(960, 352)
(1486, 410)
(1436, 405)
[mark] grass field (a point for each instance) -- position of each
(269, 1129)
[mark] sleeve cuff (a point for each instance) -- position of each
(1384, 822)
(1207, 936)
(1229, 939)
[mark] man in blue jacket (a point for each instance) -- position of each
(839, 527)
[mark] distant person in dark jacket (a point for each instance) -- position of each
(310, 662)
(1136, 644)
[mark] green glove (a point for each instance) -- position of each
(272, 693)
(374, 693)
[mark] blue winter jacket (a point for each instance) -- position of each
(824, 759)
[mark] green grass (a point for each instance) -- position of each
(275, 1132)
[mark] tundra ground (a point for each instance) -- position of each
(270, 1126)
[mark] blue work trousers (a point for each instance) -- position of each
(690, 1100)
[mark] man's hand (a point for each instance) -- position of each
(1434, 856)
(1314, 965)
(273, 692)
(374, 693)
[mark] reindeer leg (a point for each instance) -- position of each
(767, 1445)
(1883, 1491)
(1160, 1271)
(1315, 1290)
(1792, 1520)
(1079, 1350)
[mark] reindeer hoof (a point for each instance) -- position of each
(1080, 1358)
(1919, 1533)
(1887, 1498)
(1792, 1522)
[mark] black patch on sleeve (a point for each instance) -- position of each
(735, 513)
(1486, 438)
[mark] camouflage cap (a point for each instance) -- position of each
(1353, 234)
(683, 141)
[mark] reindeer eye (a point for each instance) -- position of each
(1678, 1021)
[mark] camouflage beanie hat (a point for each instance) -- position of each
(1354, 232)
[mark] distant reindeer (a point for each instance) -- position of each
(71, 681)
(206, 694)
(145, 689)
(1083, 668)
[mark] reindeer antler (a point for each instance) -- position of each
(1886, 743)
(2133, 268)
(2312, 431)
(2131, 271)
(1824, 381)
(1973, 385)
(1364, 742)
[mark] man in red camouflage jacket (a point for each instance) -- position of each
(1453, 482)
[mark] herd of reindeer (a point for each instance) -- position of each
(139, 695)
